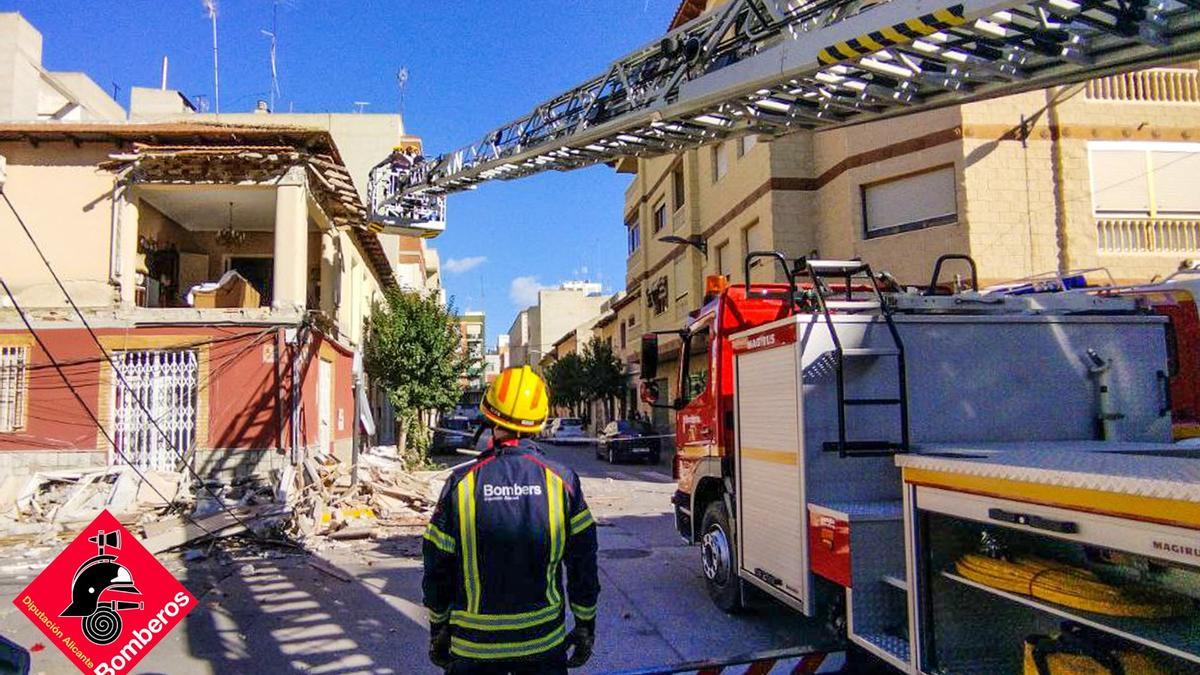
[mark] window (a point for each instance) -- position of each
(624, 335)
(14, 387)
(695, 366)
(660, 217)
(678, 187)
(745, 143)
(679, 270)
(910, 202)
(635, 236)
(722, 258)
(1145, 180)
(754, 238)
(720, 162)
(657, 296)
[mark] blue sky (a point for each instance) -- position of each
(473, 65)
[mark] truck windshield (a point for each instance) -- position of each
(694, 368)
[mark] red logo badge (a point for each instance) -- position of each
(105, 601)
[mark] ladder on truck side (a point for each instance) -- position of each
(828, 301)
(773, 67)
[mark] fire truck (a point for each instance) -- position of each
(858, 452)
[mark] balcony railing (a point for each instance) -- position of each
(1167, 85)
(1147, 236)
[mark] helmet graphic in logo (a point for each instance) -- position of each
(98, 577)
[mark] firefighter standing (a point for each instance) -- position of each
(503, 529)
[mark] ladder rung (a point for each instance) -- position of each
(836, 267)
(852, 304)
(870, 351)
(872, 401)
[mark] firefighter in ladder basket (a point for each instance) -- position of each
(504, 527)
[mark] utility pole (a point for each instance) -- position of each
(211, 7)
(272, 34)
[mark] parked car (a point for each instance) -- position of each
(483, 439)
(453, 433)
(567, 430)
(544, 434)
(624, 440)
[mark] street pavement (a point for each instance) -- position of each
(271, 611)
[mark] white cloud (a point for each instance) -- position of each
(460, 265)
(524, 291)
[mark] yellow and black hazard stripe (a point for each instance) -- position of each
(896, 34)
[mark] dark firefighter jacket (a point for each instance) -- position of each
(502, 531)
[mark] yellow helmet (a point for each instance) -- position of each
(517, 400)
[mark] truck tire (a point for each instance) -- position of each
(718, 558)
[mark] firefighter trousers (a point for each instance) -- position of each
(553, 662)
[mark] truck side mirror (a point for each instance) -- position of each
(649, 356)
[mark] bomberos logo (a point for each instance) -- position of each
(105, 600)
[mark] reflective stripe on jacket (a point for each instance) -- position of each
(504, 528)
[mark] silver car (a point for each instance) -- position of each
(566, 430)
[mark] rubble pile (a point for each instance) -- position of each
(309, 504)
(328, 503)
(50, 501)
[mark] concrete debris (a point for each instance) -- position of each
(72, 497)
(174, 531)
(384, 495)
(318, 503)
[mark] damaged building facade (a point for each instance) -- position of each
(226, 272)
(223, 264)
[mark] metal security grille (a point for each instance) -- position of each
(14, 388)
(165, 382)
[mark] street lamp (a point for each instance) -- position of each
(696, 241)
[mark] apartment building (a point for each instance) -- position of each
(558, 310)
(1091, 175)
(471, 329)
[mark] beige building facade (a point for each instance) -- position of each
(534, 331)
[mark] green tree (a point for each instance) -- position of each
(604, 375)
(413, 351)
(566, 380)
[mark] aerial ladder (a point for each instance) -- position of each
(774, 67)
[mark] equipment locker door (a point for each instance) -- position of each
(772, 546)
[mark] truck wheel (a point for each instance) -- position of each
(719, 558)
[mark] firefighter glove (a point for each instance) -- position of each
(580, 643)
(439, 644)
